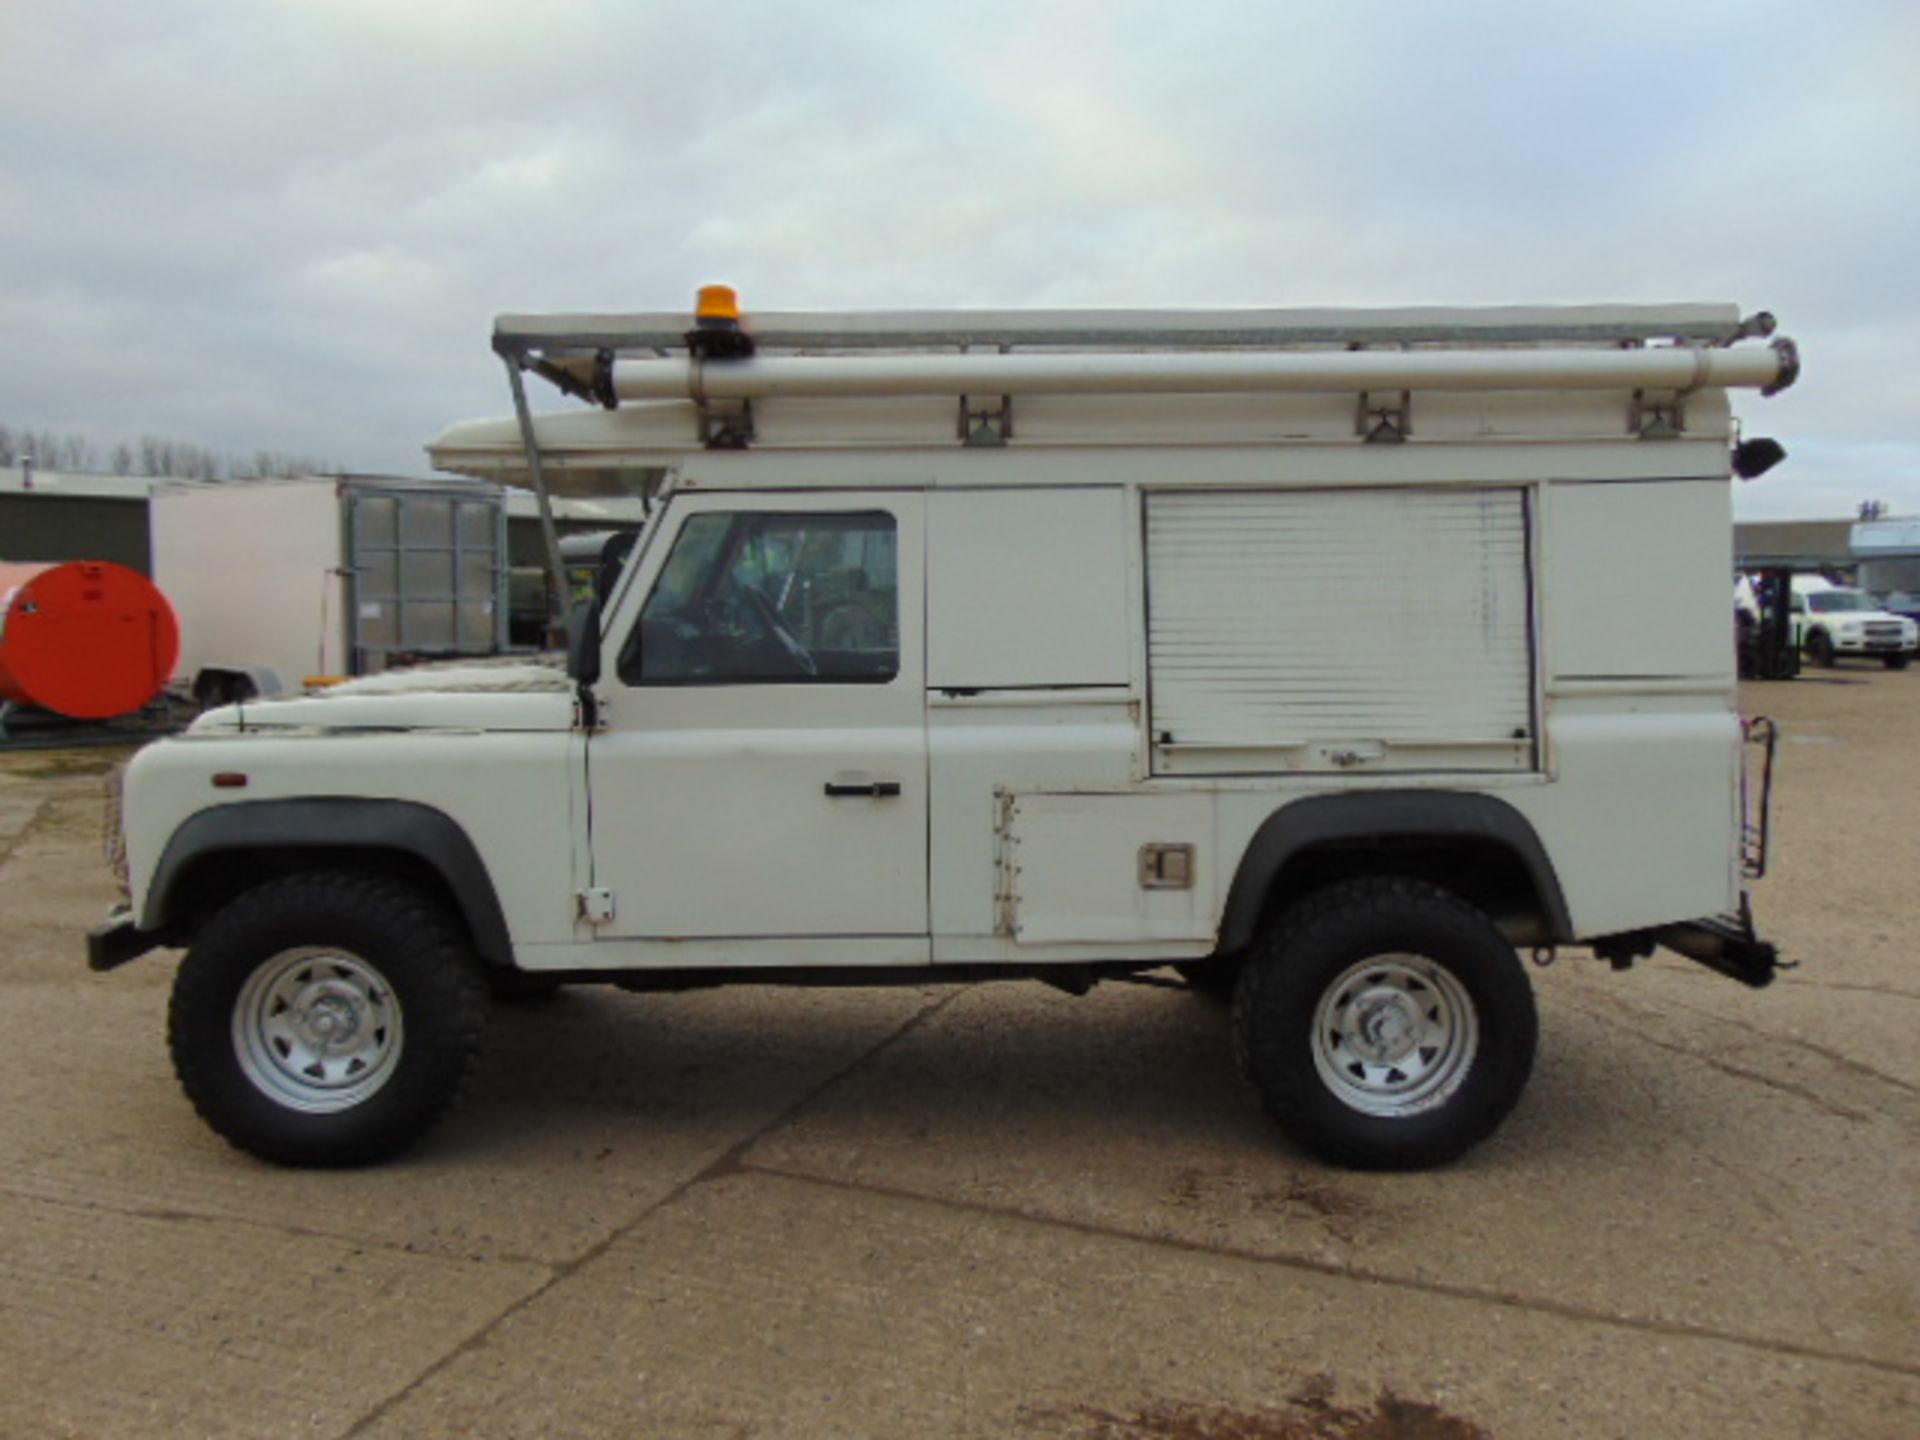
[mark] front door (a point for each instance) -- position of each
(761, 768)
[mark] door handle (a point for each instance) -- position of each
(877, 789)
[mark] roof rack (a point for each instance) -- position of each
(661, 333)
(723, 361)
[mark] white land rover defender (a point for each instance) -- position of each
(1291, 649)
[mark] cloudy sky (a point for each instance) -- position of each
(287, 224)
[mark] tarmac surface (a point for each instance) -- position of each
(998, 1210)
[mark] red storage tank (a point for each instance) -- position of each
(86, 638)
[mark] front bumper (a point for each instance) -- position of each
(119, 940)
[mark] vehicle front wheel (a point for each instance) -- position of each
(1387, 1024)
(327, 1019)
(1820, 649)
(1895, 662)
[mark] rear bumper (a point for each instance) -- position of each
(119, 940)
(1725, 944)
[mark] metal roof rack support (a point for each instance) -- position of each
(556, 566)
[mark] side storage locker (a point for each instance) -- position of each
(1350, 630)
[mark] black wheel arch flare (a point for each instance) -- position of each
(348, 825)
(1438, 817)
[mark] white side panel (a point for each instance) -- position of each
(1358, 630)
(252, 573)
(1636, 580)
(1026, 587)
(1072, 867)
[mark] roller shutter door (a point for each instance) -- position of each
(1368, 629)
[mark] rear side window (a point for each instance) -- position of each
(765, 598)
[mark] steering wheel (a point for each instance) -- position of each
(789, 642)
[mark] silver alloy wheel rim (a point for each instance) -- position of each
(1394, 1035)
(317, 1029)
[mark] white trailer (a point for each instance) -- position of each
(276, 582)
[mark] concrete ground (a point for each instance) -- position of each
(999, 1211)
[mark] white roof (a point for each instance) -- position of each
(56, 483)
(1886, 538)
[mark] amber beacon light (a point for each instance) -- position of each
(717, 333)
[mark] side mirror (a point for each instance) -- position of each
(583, 642)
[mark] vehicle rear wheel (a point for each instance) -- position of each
(327, 1019)
(1387, 1024)
(1820, 649)
(1895, 662)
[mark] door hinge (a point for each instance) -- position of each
(596, 905)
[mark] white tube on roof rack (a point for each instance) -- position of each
(1676, 368)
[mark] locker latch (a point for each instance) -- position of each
(1166, 867)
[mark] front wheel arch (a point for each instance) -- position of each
(218, 853)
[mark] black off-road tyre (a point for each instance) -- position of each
(1386, 1023)
(1895, 662)
(1820, 649)
(327, 1019)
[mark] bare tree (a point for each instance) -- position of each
(78, 454)
(153, 455)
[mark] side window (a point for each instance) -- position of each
(749, 597)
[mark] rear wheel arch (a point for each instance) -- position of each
(221, 852)
(1475, 846)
